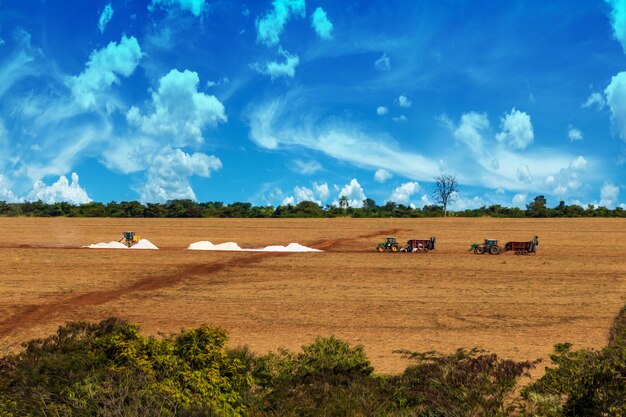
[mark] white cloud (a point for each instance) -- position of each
(277, 69)
(168, 173)
(193, 6)
(20, 62)
(519, 200)
(616, 100)
(62, 190)
(463, 203)
(618, 20)
(105, 17)
(271, 26)
(321, 24)
(403, 101)
(318, 193)
(517, 130)
(595, 99)
(401, 118)
(403, 193)
(567, 179)
(609, 195)
(574, 134)
(383, 63)
(180, 113)
(382, 110)
(221, 81)
(524, 174)
(381, 175)
(354, 192)
(470, 130)
(103, 70)
(579, 164)
(306, 167)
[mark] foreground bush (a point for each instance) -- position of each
(108, 369)
(585, 382)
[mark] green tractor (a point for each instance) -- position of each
(490, 246)
(390, 244)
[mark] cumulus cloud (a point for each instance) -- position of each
(180, 112)
(524, 174)
(383, 63)
(574, 134)
(271, 26)
(616, 100)
(103, 70)
(595, 99)
(321, 24)
(520, 199)
(168, 173)
(276, 69)
(354, 192)
(401, 118)
(306, 167)
(567, 179)
(517, 130)
(382, 110)
(62, 190)
(381, 175)
(609, 195)
(403, 193)
(194, 6)
(618, 20)
(470, 130)
(105, 17)
(318, 193)
(403, 101)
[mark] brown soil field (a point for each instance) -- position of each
(516, 306)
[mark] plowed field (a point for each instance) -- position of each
(516, 306)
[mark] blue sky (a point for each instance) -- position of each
(281, 101)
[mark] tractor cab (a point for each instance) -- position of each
(490, 242)
(129, 238)
(390, 240)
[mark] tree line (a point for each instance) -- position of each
(109, 369)
(537, 208)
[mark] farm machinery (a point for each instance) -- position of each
(414, 245)
(419, 245)
(129, 239)
(491, 247)
(390, 244)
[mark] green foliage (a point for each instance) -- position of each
(108, 369)
(584, 382)
(466, 383)
(309, 209)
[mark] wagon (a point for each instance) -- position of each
(419, 245)
(523, 248)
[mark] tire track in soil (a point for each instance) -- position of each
(28, 315)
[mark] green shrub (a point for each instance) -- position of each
(108, 369)
(466, 383)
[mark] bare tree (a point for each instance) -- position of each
(446, 187)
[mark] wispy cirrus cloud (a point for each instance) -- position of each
(194, 6)
(105, 17)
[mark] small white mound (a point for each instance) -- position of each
(205, 245)
(103, 245)
(142, 244)
(292, 247)
(232, 246)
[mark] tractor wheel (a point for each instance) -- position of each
(395, 248)
(380, 249)
(479, 250)
(494, 250)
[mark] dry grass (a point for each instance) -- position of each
(517, 306)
